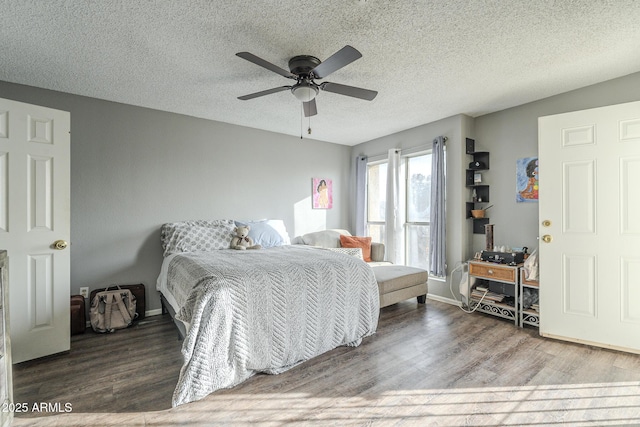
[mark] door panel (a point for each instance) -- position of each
(630, 130)
(4, 191)
(630, 290)
(40, 291)
(40, 193)
(590, 270)
(579, 212)
(34, 212)
(579, 285)
(630, 211)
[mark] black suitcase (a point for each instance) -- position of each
(78, 315)
(136, 290)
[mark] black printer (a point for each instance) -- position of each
(510, 258)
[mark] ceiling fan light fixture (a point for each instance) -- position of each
(304, 92)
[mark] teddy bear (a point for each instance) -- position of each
(241, 240)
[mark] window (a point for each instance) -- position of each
(416, 170)
(418, 210)
(376, 200)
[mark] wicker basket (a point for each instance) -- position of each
(477, 213)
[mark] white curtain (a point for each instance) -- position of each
(393, 211)
(437, 260)
(361, 192)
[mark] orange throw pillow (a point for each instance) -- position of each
(357, 242)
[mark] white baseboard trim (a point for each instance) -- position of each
(156, 312)
(591, 343)
(444, 299)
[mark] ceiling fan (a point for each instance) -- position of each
(305, 69)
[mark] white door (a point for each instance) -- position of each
(589, 163)
(34, 213)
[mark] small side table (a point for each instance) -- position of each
(501, 273)
(529, 315)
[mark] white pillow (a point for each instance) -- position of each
(267, 232)
(279, 226)
(197, 235)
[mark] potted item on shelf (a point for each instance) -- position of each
(479, 213)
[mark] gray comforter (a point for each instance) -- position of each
(266, 311)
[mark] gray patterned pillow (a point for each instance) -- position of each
(355, 252)
(197, 235)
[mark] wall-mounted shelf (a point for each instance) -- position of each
(479, 190)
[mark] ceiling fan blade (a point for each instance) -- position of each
(264, 92)
(353, 91)
(344, 56)
(310, 108)
(265, 64)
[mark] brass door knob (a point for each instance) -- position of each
(547, 238)
(60, 245)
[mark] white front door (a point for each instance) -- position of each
(589, 163)
(34, 213)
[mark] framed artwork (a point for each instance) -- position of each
(322, 193)
(527, 179)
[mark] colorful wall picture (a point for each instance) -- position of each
(322, 193)
(527, 179)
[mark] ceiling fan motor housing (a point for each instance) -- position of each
(305, 89)
(302, 65)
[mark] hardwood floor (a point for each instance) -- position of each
(426, 365)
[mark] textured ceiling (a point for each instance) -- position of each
(427, 59)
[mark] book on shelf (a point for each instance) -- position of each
(486, 295)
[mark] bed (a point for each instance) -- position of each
(258, 311)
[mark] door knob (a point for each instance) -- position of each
(547, 238)
(60, 245)
(546, 223)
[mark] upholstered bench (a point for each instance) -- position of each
(400, 282)
(395, 282)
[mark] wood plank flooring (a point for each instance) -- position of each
(426, 365)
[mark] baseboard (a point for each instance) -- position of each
(444, 300)
(155, 312)
(590, 343)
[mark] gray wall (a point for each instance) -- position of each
(133, 169)
(513, 133)
(508, 135)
